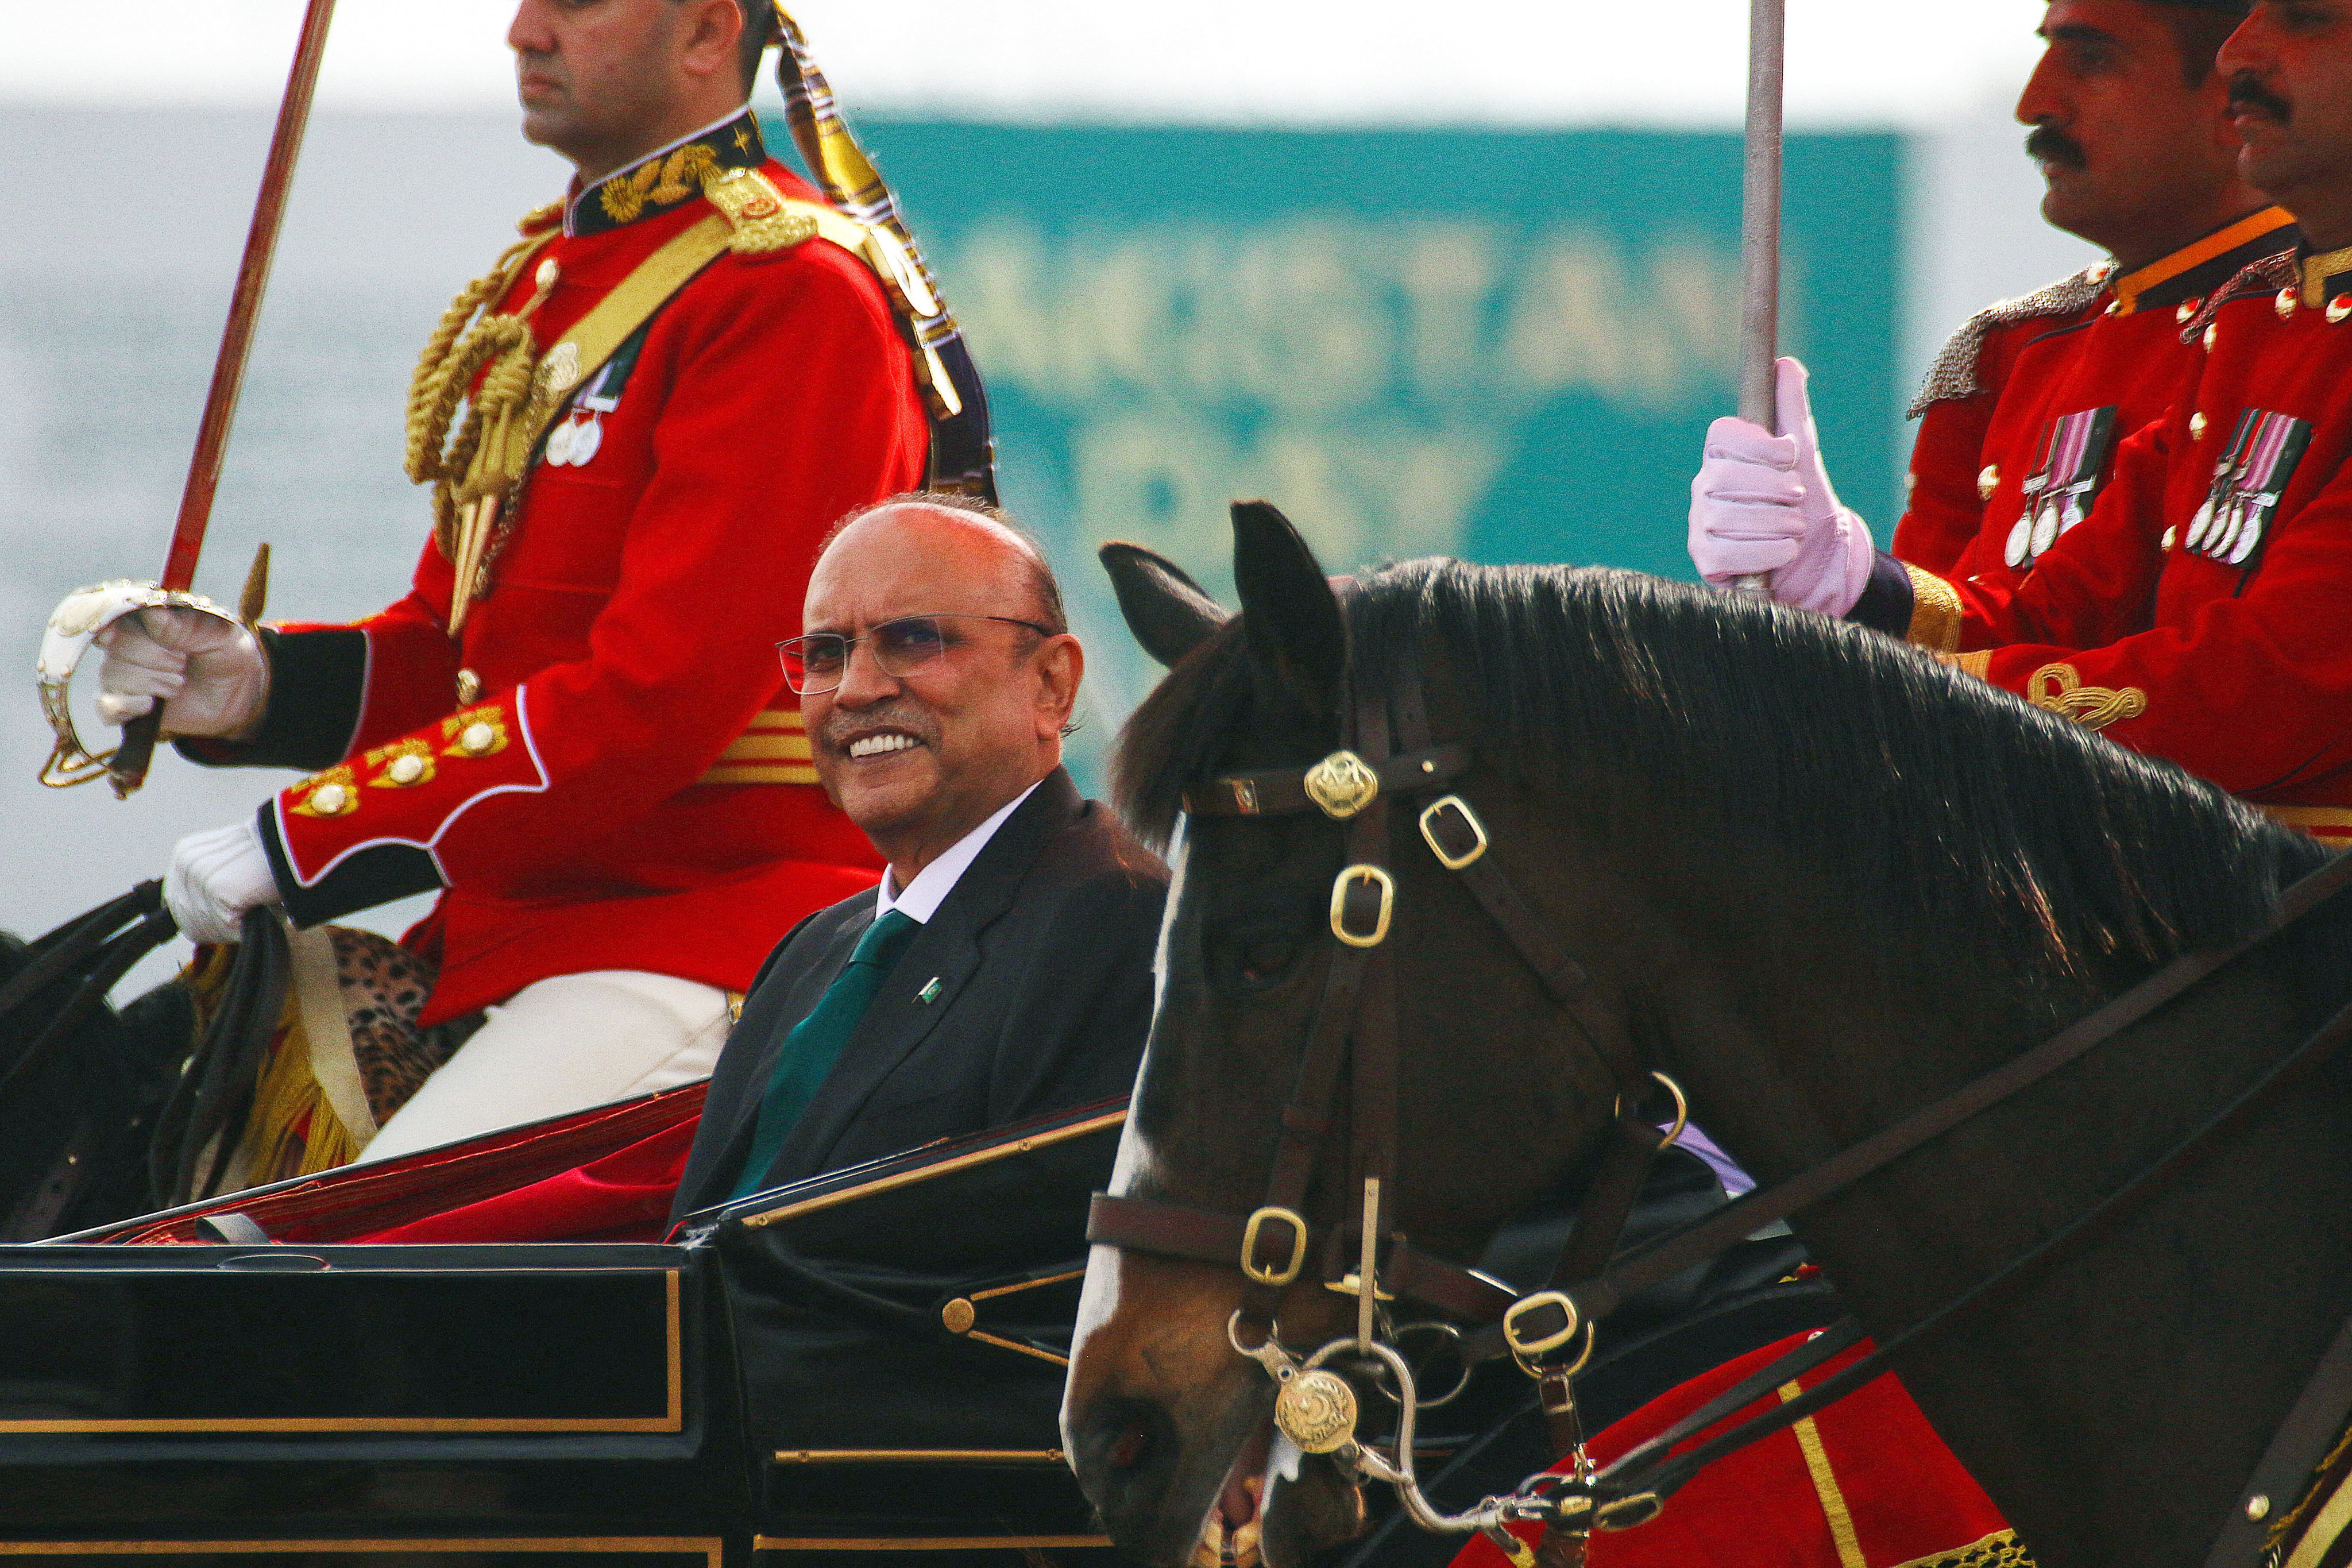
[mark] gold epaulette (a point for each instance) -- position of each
(760, 218)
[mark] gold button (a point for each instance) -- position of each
(2115, 308)
(2188, 308)
(328, 799)
(2258, 1507)
(958, 1316)
(1987, 481)
(469, 687)
(406, 770)
(2197, 426)
(2338, 308)
(476, 738)
(548, 273)
(2286, 303)
(2213, 334)
(2169, 535)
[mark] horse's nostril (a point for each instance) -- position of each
(1127, 1448)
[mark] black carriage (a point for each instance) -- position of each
(862, 1366)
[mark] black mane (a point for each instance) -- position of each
(2009, 830)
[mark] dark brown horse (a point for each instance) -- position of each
(1821, 880)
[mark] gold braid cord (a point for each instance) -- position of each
(452, 357)
(2000, 1550)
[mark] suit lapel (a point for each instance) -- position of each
(947, 951)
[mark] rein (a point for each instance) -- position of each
(1354, 1027)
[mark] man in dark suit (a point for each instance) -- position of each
(1003, 968)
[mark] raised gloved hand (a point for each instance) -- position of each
(214, 877)
(1763, 503)
(211, 673)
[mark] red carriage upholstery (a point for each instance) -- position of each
(602, 1174)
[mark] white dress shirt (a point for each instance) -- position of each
(935, 881)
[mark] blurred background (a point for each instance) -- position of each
(1457, 280)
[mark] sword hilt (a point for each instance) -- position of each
(127, 769)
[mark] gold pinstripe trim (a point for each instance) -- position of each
(2319, 821)
(710, 1548)
(1979, 664)
(1935, 612)
(1825, 1483)
(929, 1543)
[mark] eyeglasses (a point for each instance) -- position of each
(816, 663)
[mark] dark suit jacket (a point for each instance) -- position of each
(1042, 953)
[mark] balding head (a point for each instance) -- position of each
(920, 754)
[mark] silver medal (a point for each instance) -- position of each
(2020, 538)
(2249, 534)
(2198, 525)
(559, 444)
(585, 439)
(2046, 526)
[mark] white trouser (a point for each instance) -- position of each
(562, 1045)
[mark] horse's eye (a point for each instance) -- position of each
(1267, 958)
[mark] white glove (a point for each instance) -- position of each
(214, 877)
(212, 675)
(1763, 503)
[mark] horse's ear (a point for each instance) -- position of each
(1168, 613)
(1295, 635)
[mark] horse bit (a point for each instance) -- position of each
(1354, 1026)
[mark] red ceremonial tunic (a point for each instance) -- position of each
(1997, 473)
(603, 772)
(2199, 614)
(1865, 1483)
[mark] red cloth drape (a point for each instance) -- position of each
(1865, 1483)
(623, 1196)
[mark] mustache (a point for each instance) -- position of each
(839, 728)
(2246, 91)
(2048, 144)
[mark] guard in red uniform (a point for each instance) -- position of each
(2199, 614)
(2023, 413)
(573, 725)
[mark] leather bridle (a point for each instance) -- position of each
(1387, 756)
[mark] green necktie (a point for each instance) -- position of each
(814, 1045)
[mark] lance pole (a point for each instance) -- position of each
(127, 770)
(1760, 230)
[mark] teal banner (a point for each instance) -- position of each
(1503, 346)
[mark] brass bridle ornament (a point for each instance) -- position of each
(1354, 1026)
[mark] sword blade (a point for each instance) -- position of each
(128, 769)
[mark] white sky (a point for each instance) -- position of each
(1367, 61)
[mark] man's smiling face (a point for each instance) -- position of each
(2290, 74)
(919, 760)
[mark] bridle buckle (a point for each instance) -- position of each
(1273, 1278)
(1341, 785)
(1345, 917)
(1529, 1348)
(1441, 814)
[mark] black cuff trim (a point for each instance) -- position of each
(1886, 599)
(318, 682)
(377, 875)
